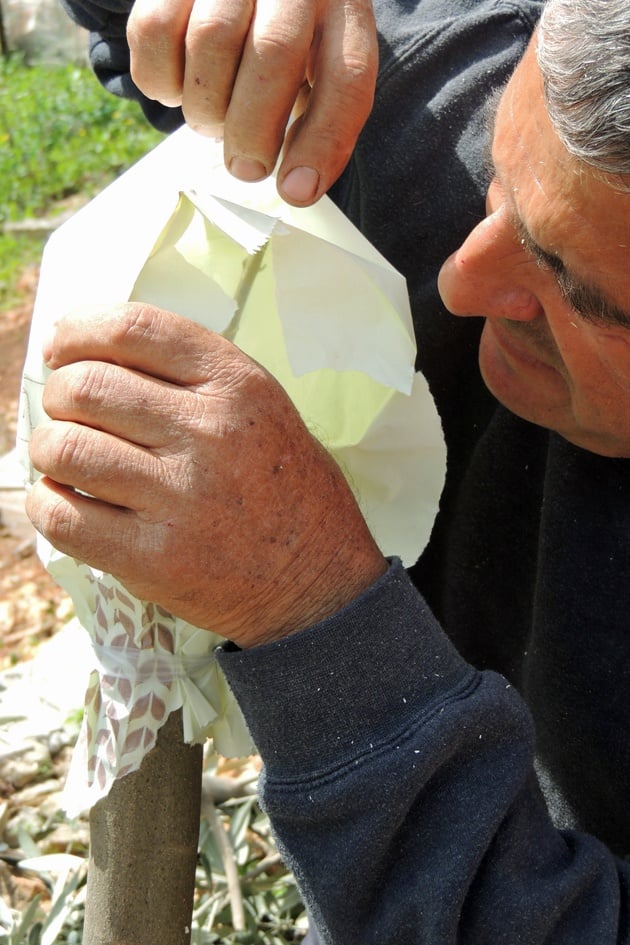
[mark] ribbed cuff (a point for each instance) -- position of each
(328, 693)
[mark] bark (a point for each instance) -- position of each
(4, 45)
(143, 849)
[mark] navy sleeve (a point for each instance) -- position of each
(106, 21)
(400, 784)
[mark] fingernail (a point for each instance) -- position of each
(246, 169)
(301, 184)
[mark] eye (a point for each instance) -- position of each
(586, 303)
(589, 304)
(543, 259)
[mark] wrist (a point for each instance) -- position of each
(334, 562)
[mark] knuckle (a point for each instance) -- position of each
(148, 27)
(354, 77)
(278, 44)
(224, 28)
(240, 374)
(55, 522)
(68, 447)
(85, 386)
(132, 324)
(362, 74)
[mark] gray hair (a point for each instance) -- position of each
(584, 57)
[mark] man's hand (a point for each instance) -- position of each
(205, 491)
(239, 68)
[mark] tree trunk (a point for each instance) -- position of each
(143, 849)
(4, 44)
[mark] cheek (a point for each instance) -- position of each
(598, 368)
(614, 357)
(599, 359)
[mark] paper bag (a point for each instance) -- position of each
(302, 292)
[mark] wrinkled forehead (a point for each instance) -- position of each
(525, 143)
(568, 208)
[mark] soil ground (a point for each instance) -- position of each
(31, 604)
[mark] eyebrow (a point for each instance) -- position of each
(588, 301)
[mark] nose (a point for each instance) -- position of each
(491, 273)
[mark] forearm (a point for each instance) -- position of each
(400, 785)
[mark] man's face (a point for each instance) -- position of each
(549, 268)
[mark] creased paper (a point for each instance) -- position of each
(302, 292)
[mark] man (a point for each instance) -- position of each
(446, 758)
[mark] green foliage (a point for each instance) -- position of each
(273, 913)
(36, 926)
(263, 891)
(18, 251)
(60, 134)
